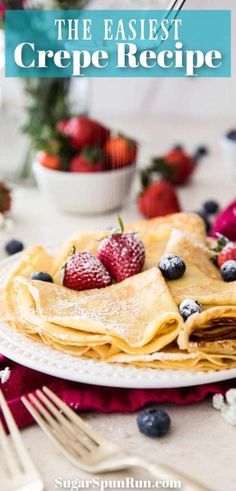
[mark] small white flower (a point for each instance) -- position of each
(229, 415)
(4, 375)
(227, 406)
(218, 401)
(231, 396)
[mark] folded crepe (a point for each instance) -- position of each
(33, 259)
(213, 332)
(202, 281)
(137, 315)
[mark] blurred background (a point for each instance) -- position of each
(118, 101)
(157, 113)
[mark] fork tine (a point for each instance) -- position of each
(56, 435)
(73, 416)
(15, 434)
(60, 434)
(41, 409)
(68, 425)
(9, 456)
(38, 418)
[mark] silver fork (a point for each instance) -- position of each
(83, 446)
(19, 473)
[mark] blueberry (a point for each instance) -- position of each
(153, 422)
(231, 135)
(200, 153)
(228, 271)
(14, 246)
(40, 276)
(204, 217)
(189, 307)
(172, 267)
(211, 207)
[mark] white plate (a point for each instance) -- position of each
(37, 356)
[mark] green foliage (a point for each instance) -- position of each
(48, 103)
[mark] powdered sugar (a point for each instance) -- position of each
(84, 271)
(122, 254)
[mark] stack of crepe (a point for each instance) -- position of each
(136, 321)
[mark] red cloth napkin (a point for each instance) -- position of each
(90, 397)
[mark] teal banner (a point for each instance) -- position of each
(118, 43)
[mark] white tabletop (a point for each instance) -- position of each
(200, 442)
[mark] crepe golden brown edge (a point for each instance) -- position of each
(137, 321)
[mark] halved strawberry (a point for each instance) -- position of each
(84, 271)
(123, 254)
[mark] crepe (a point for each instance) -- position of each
(126, 315)
(212, 331)
(137, 321)
(172, 358)
(154, 233)
(33, 259)
(202, 281)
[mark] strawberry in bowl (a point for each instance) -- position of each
(121, 151)
(84, 169)
(83, 131)
(90, 159)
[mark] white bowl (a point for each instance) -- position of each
(95, 192)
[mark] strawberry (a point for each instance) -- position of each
(121, 151)
(88, 160)
(180, 164)
(84, 271)
(83, 131)
(49, 161)
(5, 198)
(158, 199)
(176, 166)
(228, 253)
(123, 254)
(61, 125)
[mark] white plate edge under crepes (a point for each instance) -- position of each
(17, 347)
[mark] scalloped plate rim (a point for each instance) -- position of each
(47, 360)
